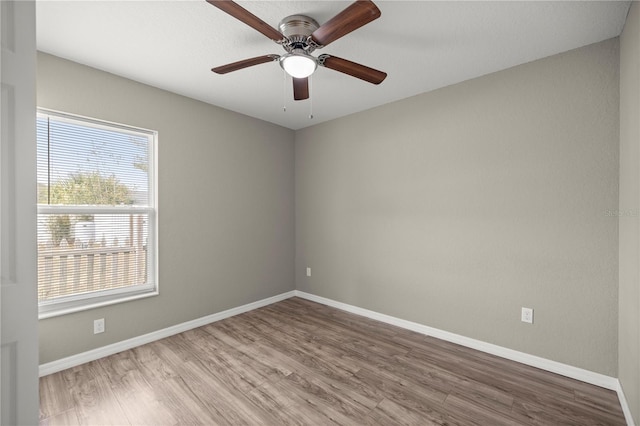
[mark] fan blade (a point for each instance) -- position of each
(353, 69)
(300, 88)
(245, 63)
(242, 14)
(350, 19)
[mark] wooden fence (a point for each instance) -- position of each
(66, 270)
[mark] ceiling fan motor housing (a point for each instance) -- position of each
(298, 29)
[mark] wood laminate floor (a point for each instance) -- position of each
(301, 363)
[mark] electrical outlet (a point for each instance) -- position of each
(527, 315)
(308, 271)
(98, 326)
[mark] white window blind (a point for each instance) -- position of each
(97, 216)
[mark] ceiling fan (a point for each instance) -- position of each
(300, 35)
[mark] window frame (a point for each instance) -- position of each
(80, 302)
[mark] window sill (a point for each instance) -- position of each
(51, 311)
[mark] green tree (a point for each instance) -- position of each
(60, 228)
(81, 189)
(90, 189)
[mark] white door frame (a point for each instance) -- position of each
(18, 261)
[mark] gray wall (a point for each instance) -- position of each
(452, 209)
(629, 295)
(457, 207)
(226, 207)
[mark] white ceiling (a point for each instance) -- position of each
(422, 45)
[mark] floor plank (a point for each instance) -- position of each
(297, 362)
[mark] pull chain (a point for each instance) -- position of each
(284, 91)
(310, 100)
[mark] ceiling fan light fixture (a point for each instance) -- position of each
(298, 64)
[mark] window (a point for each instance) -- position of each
(97, 216)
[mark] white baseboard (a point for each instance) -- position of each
(524, 358)
(92, 355)
(625, 406)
